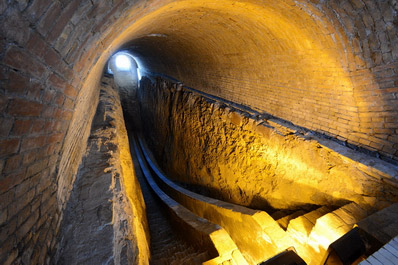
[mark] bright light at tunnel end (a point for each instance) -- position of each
(123, 62)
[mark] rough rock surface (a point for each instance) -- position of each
(254, 161)
(100, 226)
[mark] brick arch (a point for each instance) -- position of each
(309, 63)
(339, 57)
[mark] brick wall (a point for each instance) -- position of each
(47, 101)
(330, 66)
(326, 65)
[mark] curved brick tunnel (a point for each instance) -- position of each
(328, 66)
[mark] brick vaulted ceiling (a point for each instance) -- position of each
(330, 66)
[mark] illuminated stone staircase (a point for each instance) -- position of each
(315, 231)
(310, 233)
(284, 221)
(209, 244)
(167, 247)
(300, 227)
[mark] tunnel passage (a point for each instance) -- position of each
(330, 66)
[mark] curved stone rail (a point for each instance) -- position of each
(257, 234)
(206, 235)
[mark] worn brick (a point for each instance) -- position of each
(22, 107)
(59, 99)
(37, 9)
(73, 53)
(67, 115)
(23, 215)
(65, 38)
(6, 234)
(48, 126)
(36, 45)
(17, 83)
(46, 205)
(11, 180)
(50, 112)
(37, 126)
(35, 90)
(29, 157)
(57, 82)
(35, 204)
(51, 149)
(64, 18)
(13, 163)
(33, 142)
(44, 183)
(10, 256)
(69, 104)
(49, 94)
(37, 167)
(20, 60)
(53, 59)
(21, 127)
(9, 147)
(5, 126)
(70, 91)
(47, 22)
(55, 138)
(6, 198)
(27, 226)
(20, 203)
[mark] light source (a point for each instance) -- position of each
(123, 62)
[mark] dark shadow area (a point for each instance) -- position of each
(167, 243)
(87, 233)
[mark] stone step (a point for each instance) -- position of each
(284, 221)
(382, 225)
(331, 227)
(300, 228)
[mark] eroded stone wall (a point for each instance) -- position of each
(104, 219)
(254, 161)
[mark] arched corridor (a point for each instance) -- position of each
(274, 105)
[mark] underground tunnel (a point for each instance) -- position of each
(199, 132)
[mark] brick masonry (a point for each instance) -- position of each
(337, 75)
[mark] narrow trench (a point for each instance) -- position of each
(167, 246)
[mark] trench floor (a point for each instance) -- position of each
(167, 246)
